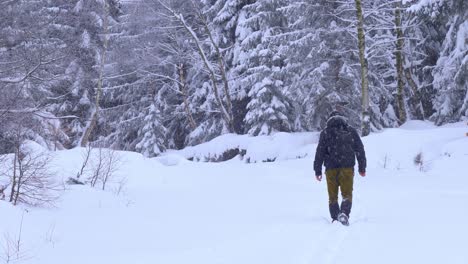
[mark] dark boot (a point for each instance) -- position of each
(346, 207)
(334, 210)
(343, 219)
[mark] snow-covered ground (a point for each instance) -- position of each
(176, 211)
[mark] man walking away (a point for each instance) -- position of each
(339, 146)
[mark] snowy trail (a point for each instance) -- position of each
(271, 213)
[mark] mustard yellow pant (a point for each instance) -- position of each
(340, 179)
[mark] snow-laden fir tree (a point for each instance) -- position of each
(170, 73)
(269, 108)
(451, 69)
(226, 18)
(31, 64)
(129, 90)
(80, 26)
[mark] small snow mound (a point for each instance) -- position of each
(463, 124)
(279, 146)
(458, 147)
(30, 146)
(171, 159)
(417, 125)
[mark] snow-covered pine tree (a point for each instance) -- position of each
(334, 56)
(269, 108)
(32, 62)
(131, 118)
(79, 25)
(451, 69)
(346, 80)
(225, 17)
(153, 137)
(209, 69)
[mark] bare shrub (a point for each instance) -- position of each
(419, 161)
(12, 247)
(99, 168)
(2, 192)
(26, 167)
(5, 165)
(31, 181)
(385, 161)
(104, 165)
(86, 155)
(50, 236)
(4, 179)
(121, 187)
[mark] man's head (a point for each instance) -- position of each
(335, 113)
(337, 119)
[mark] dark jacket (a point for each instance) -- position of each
(339, 146)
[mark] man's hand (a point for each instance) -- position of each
(362, 173)
(318, 177)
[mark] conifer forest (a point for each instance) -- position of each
(152, 75)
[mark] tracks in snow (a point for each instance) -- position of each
(331, 241)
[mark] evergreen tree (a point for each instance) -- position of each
(151, 75)
(451, 70)
(269, 107)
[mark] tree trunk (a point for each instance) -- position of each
(224, 111)
(19, 183)
(222, 69)
(364, 78)
(183, 90)
(417, 105)
(399, 64)
(14, 180)
(226, 116)
(94, 117)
